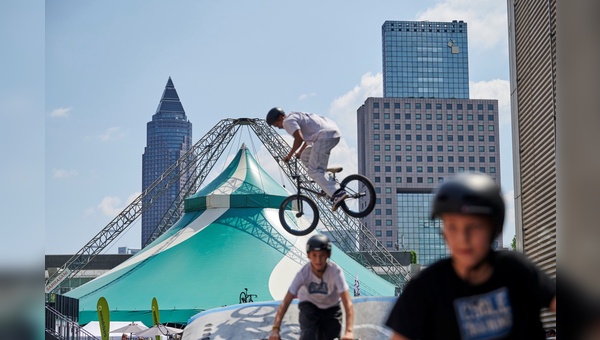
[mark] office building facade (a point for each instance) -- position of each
(407, 147)
(532, 45)
(424, 59)
(168, 137)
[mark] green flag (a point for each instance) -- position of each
(155, 312)
(103, 317)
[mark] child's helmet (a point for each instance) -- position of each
(471, 193)
(274, 114)
(318, 242)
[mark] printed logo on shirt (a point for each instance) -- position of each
(485, 316)
(317, 288)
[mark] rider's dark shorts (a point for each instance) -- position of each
(316, 323)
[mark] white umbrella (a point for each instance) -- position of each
(159, 329)
(131, 328)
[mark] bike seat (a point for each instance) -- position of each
(335, 170)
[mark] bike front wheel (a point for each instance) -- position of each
(361, 196)
(298, 215)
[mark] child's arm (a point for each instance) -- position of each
(349, 309)
(283, 307)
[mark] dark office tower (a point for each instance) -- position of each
(168, 137)
(424, 130)
(425, 59)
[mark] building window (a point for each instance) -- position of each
(377, 168)
(388, 233)
(448, 106)
(396, 116)
(375, 115)
(376, 126)
(427, 106)
(492, 159)
(418, 106)
(387, 158)
(386, 126)
(398, 179)
(438, 106)
(407, 105)
(396, 105)
(376, 147)
(375, 105)
(386, 105)
(376, 158)
(479, 107)
(378, 223)
(459, 106)
(490, 117)
(493, 169)
(376, 136)
(490, 128)
(378, 232)
(490, 107)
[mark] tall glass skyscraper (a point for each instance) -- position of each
(425, 129)
(424, 59)
(168, 137)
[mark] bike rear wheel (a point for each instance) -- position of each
(361, 196)
(298, 215)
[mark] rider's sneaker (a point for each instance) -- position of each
(338, 199)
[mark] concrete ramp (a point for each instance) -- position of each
(254, 320)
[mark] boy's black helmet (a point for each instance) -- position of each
(318, 242)
(471, 193)
(274, 114)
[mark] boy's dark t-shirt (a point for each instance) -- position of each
(437, 304)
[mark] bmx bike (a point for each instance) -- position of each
(360, 202)
(245, 297)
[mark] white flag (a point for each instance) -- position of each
(356, 286)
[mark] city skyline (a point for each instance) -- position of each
(87, 115)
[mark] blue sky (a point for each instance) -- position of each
(107, 62)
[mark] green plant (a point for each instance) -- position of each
(413, 256)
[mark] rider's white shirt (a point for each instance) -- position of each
(312, 126)
(325, 292)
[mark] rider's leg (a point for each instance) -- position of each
(318, 160)
(309, 320)
(331, 323)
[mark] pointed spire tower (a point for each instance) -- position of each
(168, 137)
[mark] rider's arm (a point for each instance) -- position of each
(298, 140)
(349, 309)
(283, 307)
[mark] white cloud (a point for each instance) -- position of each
(306, 95)
(63, 173)
(486, 19)
(343, 108)
(112, 133)
(61, 112)
(494, 89)
(111, 205)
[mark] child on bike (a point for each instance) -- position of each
(314, 137)
(477, 293)
(320, 286)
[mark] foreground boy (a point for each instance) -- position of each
(324, 286)
(476, 293)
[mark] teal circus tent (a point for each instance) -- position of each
(228, 239)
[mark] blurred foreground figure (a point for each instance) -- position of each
(477, 293)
